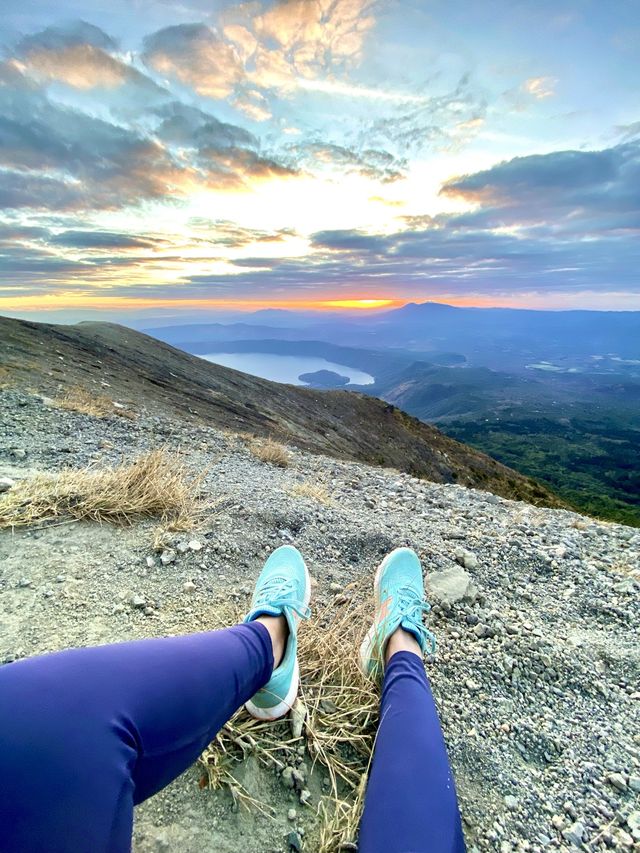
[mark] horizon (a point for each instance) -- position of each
(346, 157)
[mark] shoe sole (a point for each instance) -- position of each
(368, 644)
(283, 707)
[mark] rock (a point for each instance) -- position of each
(511, 802)
(150, 562)
(305, 796)
(6, 483)
(287, 777)
(189, 586)
(466, 558)
(634, 784)
(138, 601)
(19, 453)
(574, 834)
(292, 814)
(25, 583)
(295, 842)
(451, 585)
(335, 587)
(195, 545)
(168, 556)
(182, 547)
(297, 717)
(617, 781)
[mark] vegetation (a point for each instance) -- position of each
(155, 484)
(78, 399)
(340, 707)
(312, 491)
(270, 451)
(593, 464)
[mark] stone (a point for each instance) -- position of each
(617, 781)
(466, 558)
(6, 483)
(451, 585)
(20, 453)
(297, 717)
(195, 545)
(634, 784)
(287, 777)
(305, 796)
(150, 562)
(292, 814)
(138, 601)
(189, 586)
(295, 842)
(168, 556)
(573, 834)
(511, 802)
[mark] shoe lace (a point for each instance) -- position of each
(280, 591)
(412, 606)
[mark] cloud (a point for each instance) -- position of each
(371, 163)
(570, 191)
(195, 55)
(191, 127)
(442, 122)
(540, 87)
(82, 56)
(101, 240)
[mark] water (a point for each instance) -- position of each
(285, 368)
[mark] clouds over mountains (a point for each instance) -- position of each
(143, 166)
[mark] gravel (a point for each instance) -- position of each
(536, 612)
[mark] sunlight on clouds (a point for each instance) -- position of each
(540, 87)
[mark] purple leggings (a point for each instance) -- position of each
(86, 734)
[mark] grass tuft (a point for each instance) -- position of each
(342, 709)
(312, 491)
(78, 399)
(269, 451)
(155, 484)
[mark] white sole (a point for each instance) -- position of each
(283, 707)
(368, 644)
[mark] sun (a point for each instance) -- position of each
(358, 303)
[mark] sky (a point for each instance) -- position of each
(194, 155)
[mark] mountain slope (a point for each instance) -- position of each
(131, 367)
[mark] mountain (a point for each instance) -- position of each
(535, 610)
(137, 370)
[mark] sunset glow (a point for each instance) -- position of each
(343, 156)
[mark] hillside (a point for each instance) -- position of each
(538, 663)
(141, 373)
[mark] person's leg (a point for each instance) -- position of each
(410, 804)
(87, 733)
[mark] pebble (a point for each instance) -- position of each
(297, 716)
(167, 557)
(292, 814)
(617, 781)
(189, 586)
(287, 777)
(138, 601)
(511, 802)
(6, 483)
(195, 545)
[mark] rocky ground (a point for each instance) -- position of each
(535, 610)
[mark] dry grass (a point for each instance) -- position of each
(78, 399)
(312, 491)
(268, 450)
(155, 484)
(341, 720)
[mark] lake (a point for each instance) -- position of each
(285, 368)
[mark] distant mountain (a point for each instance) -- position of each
(143, 372)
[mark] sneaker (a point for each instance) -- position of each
(400, 602)
(283, 589)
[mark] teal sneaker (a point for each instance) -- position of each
(400, 602)
(283, 589)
